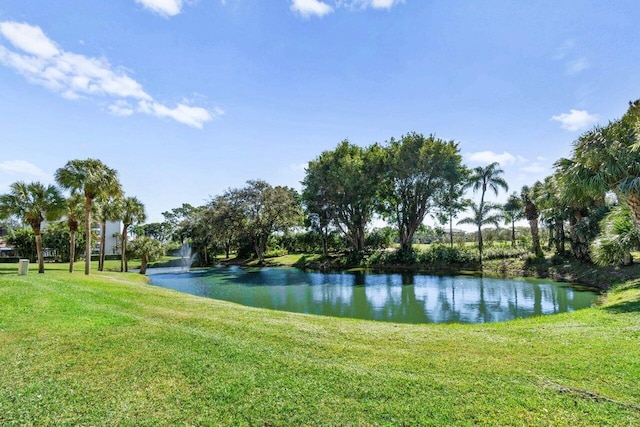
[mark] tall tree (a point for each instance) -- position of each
(487, 178)
(532, 215)
(346, 180)
(268, 209)
(584, 205)
(33, 203)
(225, 215)
(92, 178)
(553, 205)
(482, 179)
(608, 158)
(481, 215)
(74, 213)
(416, 168)
(450, 199)
(512, 211)
(131, 212)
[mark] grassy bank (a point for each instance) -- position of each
(110, 349)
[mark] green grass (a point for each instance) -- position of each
(110, 349)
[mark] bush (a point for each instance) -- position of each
(275, 253)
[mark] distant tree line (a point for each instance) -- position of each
(589, 208)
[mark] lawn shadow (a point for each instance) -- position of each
(628, 306)
(625, 307)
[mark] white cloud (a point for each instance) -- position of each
(308, 8)
(121, 108)
(487, 157)
(29, 39)
(72, 75)
(376, 4)
(23, 168)
(163, 7)
(576, 120)
(577, 65)
(569, 53)
(192, 116)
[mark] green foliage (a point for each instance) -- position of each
(56, 237)
(160, 231)
(93, 179)
(272, 253)
(24, 243)
(146, 249)
(343, 184)
(619, 236)
(419, 173)
(380, 238)
(33, 203)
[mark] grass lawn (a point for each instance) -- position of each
(110, 349)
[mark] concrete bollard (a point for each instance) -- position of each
(23, 267)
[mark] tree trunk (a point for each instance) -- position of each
(143, 265)
(260, 246)
(535, 237)
(72, 249)
(451, 231)
(87, 227)
(633, 201)
(36, 231)
(103, 244)
(559, 237)
(513, 233)
(480, 243)
(325, 244)
(579, 243)
(123, 258)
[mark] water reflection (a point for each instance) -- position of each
(405, 297)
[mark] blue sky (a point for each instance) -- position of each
(188, 98)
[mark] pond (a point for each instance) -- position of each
(404, 298)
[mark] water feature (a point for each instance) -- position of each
(186, 257)
(405, 298)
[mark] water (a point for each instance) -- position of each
(405, 298)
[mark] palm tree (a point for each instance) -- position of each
(618, 238)
(483, 179)
(132, 213)
(550, 198)
(608, 158)
(481, 216)
(487, 178)
(73, 213)
(33, 203)
(512, 211)
(531, 214)
(107, 209)
(581, 197)
(92, 178)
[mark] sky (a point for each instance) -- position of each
(187, 98)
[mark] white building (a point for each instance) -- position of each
(113, 230)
